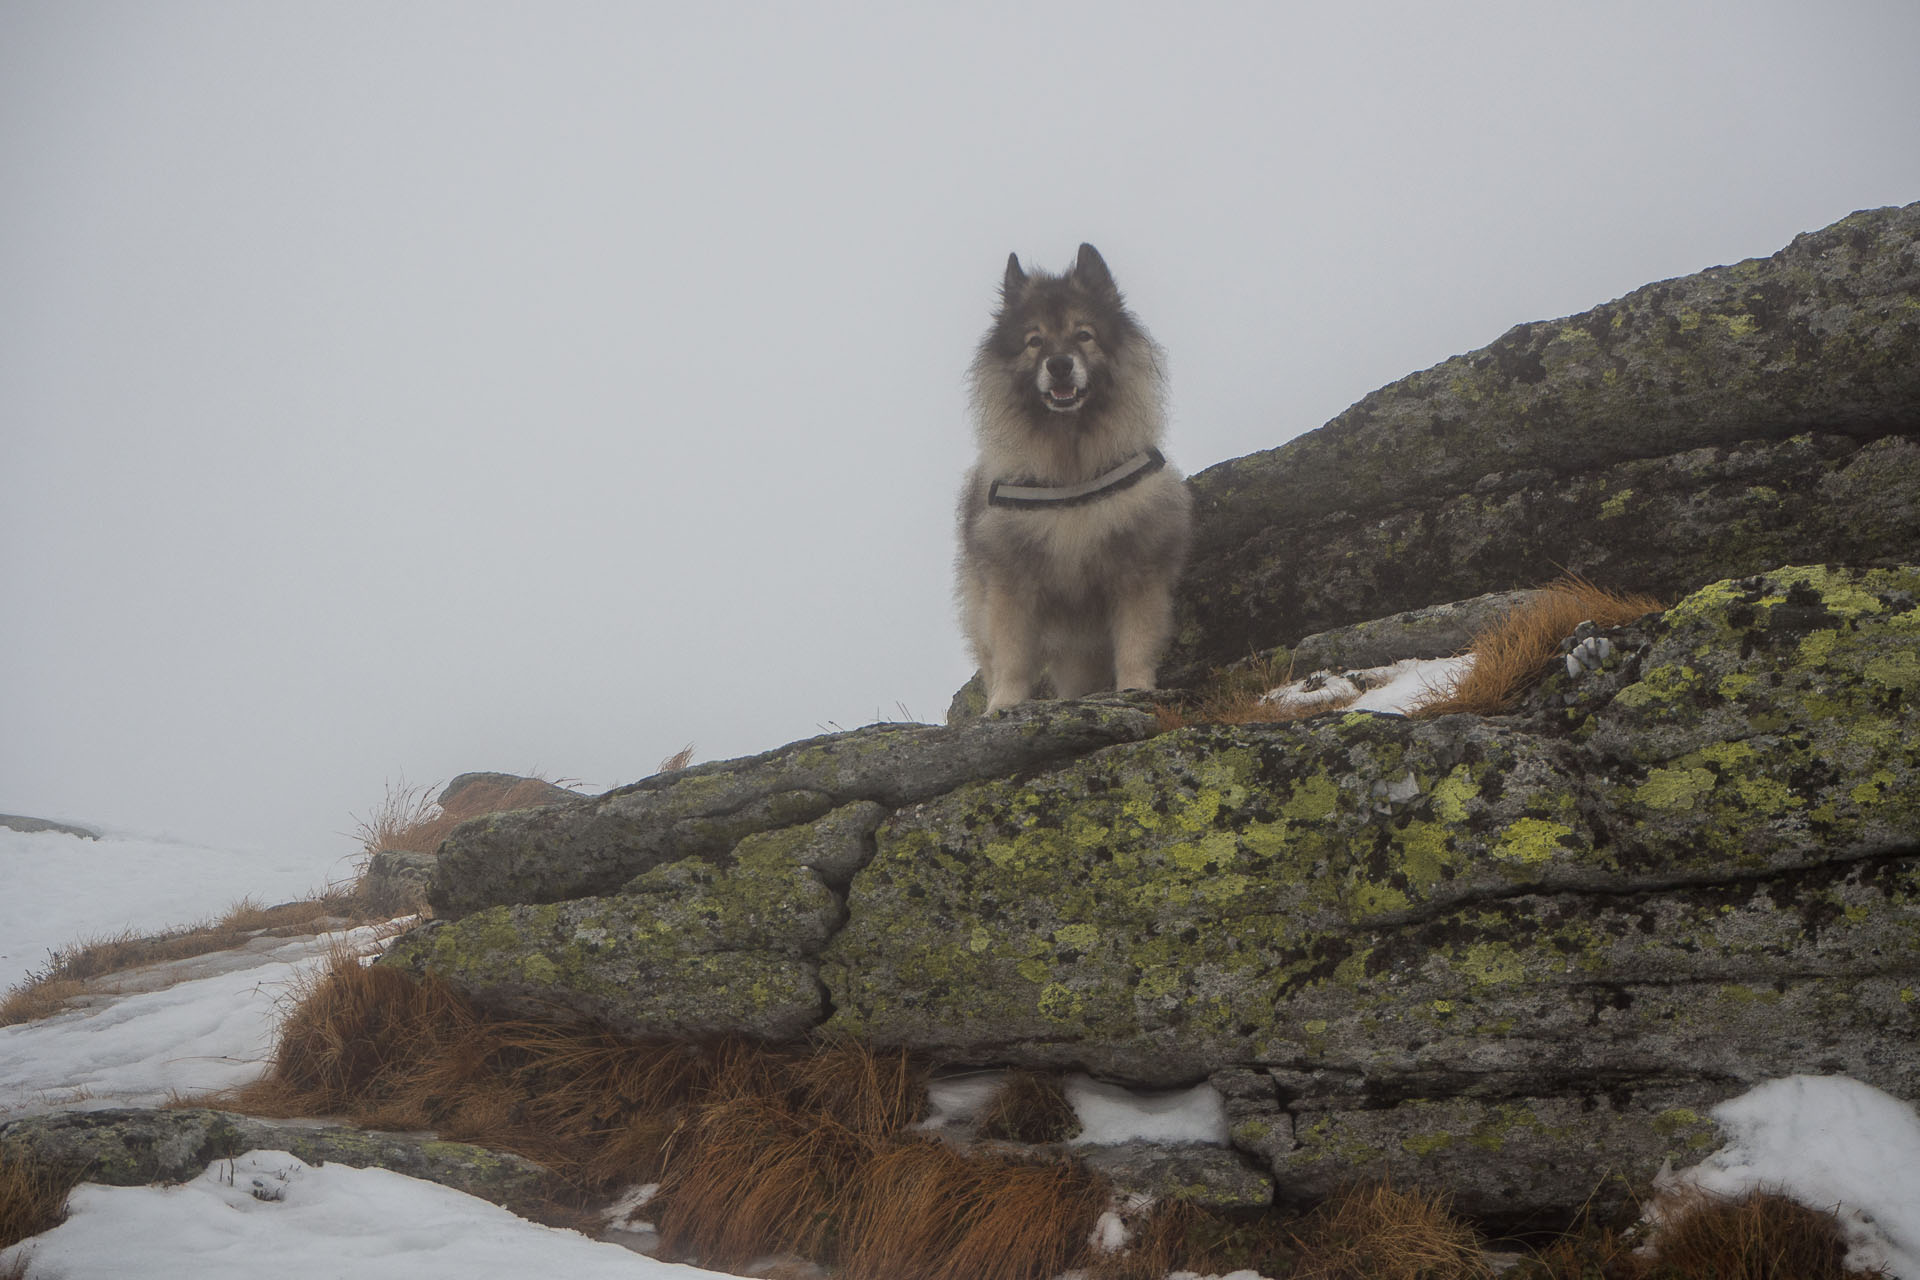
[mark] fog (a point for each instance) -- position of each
(393, 390)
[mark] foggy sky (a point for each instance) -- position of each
(389, 390)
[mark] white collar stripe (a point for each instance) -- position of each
(1003, 493)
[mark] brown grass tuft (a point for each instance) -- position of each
(677, 761)
(1165, 1240)
(33, 1196)
(1382, 1233)
(1235, 695)
(69, 972)
(925, 1210)
(1515, 651)
(1587, 1253)
(407, 820)
(1758, 1236)
(1030, 1107)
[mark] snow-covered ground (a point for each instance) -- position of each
(62, 889)
(206, 1024)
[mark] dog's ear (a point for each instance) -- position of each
(1090, 270)
(1015, 276)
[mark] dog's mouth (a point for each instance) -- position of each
(1065, 399)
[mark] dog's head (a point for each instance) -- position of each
(1060, 342)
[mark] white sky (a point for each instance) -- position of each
(399, 389)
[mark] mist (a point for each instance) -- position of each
(389, 391)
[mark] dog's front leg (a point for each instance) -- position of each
(1012, 664)
(1142, 625)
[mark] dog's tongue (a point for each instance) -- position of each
(1064, 394)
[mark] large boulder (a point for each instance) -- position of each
(1717, 424)
(1450, 949)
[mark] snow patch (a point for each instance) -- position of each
(1833, 1144)
(1394, 689)
(958, 1100)
(1110, 1114)
(196, 1036)
(268, 1213)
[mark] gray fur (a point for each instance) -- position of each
(1066, 385)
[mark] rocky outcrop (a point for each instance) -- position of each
(130, 1147)
(1748, 416)
(1501, 955)
(595, 846)
(16, 822)
(1451, 948)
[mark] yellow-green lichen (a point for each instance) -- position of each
(1674, 788)
(1532, 841)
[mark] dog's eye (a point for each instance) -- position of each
(1033, 340)
(1084, 335)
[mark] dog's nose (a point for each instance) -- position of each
(1061, 367)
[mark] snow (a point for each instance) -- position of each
(1110, 1114)
(64, 889)
(1832, 1144)
(268, 1213)
(1392, 690)
(199, 1034)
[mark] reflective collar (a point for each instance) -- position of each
(1004, 493)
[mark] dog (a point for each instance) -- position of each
(1073, 527)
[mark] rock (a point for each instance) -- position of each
(1647, 443)
(15, 822)
(1212, 1177)
(692, 947)
(130, 1147)
(1464, 951)
(397, 879)
(1640, 901)
(591, 847)
(1428, 632)
(1510, 1164)
(528, 793)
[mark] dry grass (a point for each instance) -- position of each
(1509, 656)
(75, 970)
(800, 1151)
(33, 1196)
(1753, 1237)
(1175, 1236)
(923, 1209)
(405, 820)
(408, 821)
(1030, 1107)
(677, 761)
(1236, 695)
(1516, 651)
(1584, 1254)
(1383, 1233)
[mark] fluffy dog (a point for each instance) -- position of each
(1073, 528)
